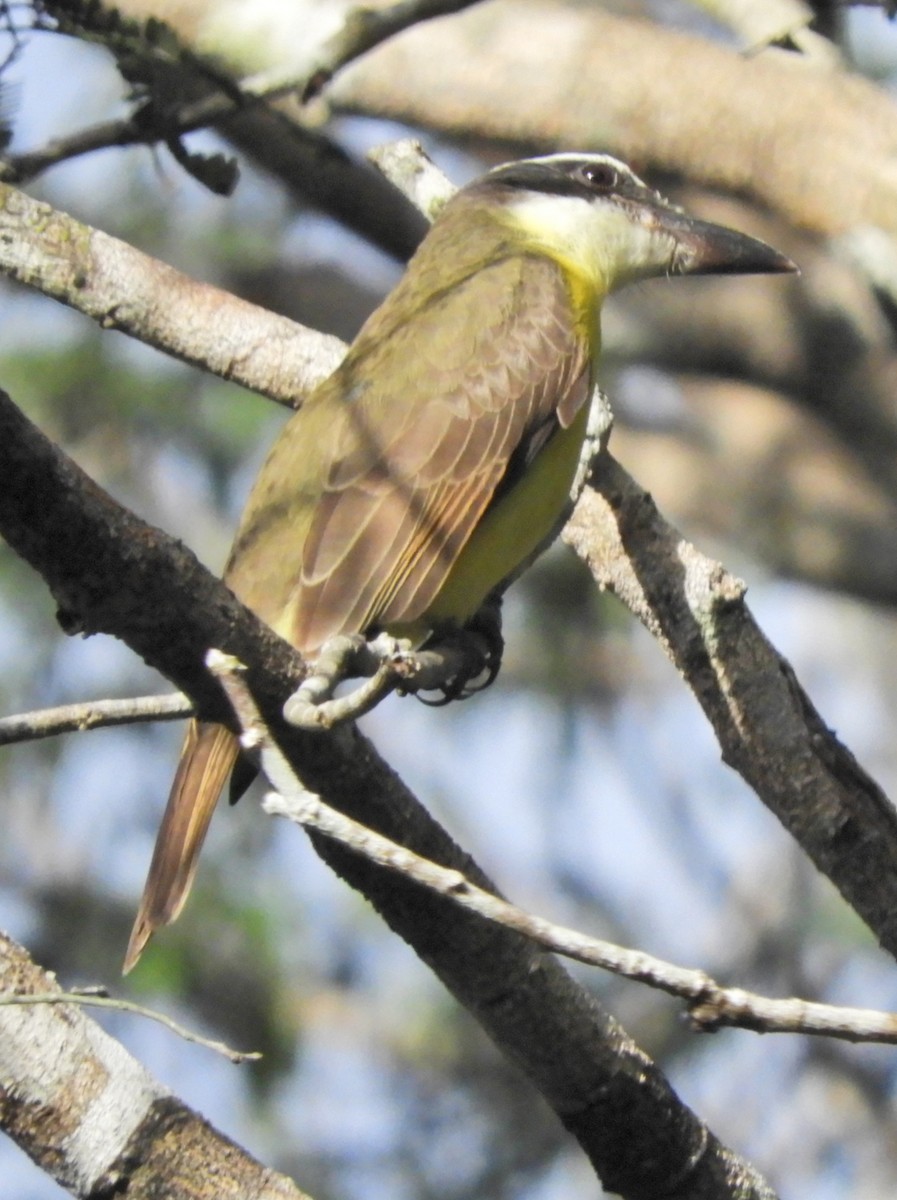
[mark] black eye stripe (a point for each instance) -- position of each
(572, 177)
(539, 177)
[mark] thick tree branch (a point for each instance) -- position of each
(95, 1120)
(766, 725)
(121, 288)
(148, 590)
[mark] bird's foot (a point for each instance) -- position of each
(459, 662)
(454, 663)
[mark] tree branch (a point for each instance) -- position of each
(91, 714)
(365, 27)
(766, 725)
(121, 288)
(93, 1118)
(88, 998)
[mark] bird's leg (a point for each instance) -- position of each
(486, 625)
(459, 662)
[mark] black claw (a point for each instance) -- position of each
(479, 646)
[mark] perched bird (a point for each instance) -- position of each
(439, 456)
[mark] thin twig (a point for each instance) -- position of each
(367, 26)
(711, 1005)
(406, 164)
(100, 1001)
(306, 713)
(92, 714)
(145, 127)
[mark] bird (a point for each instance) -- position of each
(439, 455)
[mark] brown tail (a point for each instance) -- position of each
(208, 754)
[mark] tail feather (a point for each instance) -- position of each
(207, 757)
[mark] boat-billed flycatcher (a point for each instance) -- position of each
(439, 456)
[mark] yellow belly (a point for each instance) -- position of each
(514, 528)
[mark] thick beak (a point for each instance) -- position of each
(706, 249)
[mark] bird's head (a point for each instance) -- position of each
(593, 213)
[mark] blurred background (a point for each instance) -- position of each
(762, 416)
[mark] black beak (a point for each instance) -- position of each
(707, 249)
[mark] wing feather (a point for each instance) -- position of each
(406, 469)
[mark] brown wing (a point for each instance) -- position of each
(403, 470)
